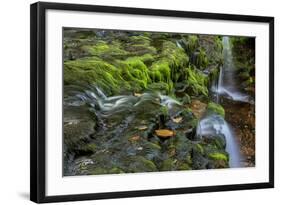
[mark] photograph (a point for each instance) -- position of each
(147, 101)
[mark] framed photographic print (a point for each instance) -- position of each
(129, 102)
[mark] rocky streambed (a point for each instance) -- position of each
(134, 133)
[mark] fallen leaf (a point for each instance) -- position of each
(164, 133)
(177, 119)
(138, 94)
(134, 138)
(143, 127)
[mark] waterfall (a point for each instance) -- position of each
(215, 125)
(227, 84)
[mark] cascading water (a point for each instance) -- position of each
(227, 84)
(215, 125)
(106, 106)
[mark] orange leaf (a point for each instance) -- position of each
(134, 138)
(164, 133)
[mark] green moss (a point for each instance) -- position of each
(168, 165)
(94, 71)
(175, 57)
(170, 62)
(102, 48)
(160, 70)
(98, 170)
(141, 164)
(139, 45)
(218, 44)
(153, 146)
(164, 111)
(135, 72)
(200, 148)
(147, 58)
(186, 99)
(115, 170)
(201, 59)
(140, 39)
(159, 86)
(89, 148)
(219, 142)
(214, 74)
(218, 156)
(138, 70)
(192, 43)
(197, 81)
(155, 75)
(184, 166)
(215, 108)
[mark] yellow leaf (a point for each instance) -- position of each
(164, 133)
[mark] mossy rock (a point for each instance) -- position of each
(115, 170)
(214, 108)
(159, 86)
(140, 164)
(197, 81)
(94, 71)
(98, 171)
(218, 160)
(218, 156)
(192, 43)
(168, 165)
(104, 50)
(199, 148)
(76, 135)
(184, 166)
(139, 45)
(151, 151)
(200, 59)
(87, 148)
(186, 99)
(219, 141)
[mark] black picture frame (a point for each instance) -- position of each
(38, 100)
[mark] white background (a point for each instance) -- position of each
(14, 102)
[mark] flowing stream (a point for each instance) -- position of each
(227, 84)
(213, 124)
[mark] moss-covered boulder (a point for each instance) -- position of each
(214, 108)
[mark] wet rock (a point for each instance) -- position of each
(115, 170)
(198, 160)
(77, 135)
(218, 160)
(214, 108)
(140, 164)
(217, 141)
(168, 165)
(184, 166)
(198, 108)
(186, 99)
